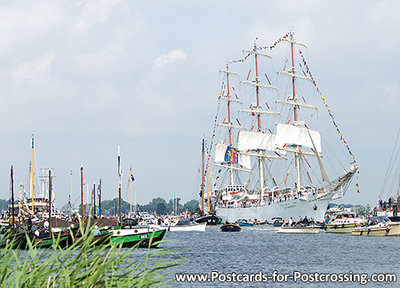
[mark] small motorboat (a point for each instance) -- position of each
(230, 227)
(378, 226)
(344, 222)
(182, 225)
(244, 222)
(277, 221)
(187, 225)
(299, 229)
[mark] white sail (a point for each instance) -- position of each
(289, 134)
(220, 151)
(244, 160)
(256, 140)
(324, 175)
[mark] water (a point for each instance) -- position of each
(261, 249)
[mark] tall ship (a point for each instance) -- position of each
(269, 133)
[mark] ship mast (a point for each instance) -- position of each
(229, 123)
(202, 177)
(12, 198)
(260, 157)
(32, 175)
(82, 193)
(130, 189)
(99, 189)
(94, 199)
(50, 188)
(296, 154)
(72, 202)
(119, 184)
(229, 120)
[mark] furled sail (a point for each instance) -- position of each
(225, 153)
(289, 134)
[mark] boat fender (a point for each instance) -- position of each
(387, 230)
(342, 225)
(335, 226)
(361, 232)
(368, 231)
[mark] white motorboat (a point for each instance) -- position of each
(378, 226)
(183, 225)
(299, 229)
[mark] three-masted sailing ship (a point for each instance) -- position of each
(269, 163)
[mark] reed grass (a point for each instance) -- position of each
(84, 265)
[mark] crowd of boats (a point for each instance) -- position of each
(147, 230)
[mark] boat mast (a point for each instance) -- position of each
(12, 198)
(208, 188)
(32, 175)
(229, 123)
(94, 199)
(130, 189)
(296, 154)
(99, 188)
(72, 202)
(260, 156)
(119, 183)
(82, 193)
(50, 188)
(202, 177)
(21, 193)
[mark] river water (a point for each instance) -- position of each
(261, 249)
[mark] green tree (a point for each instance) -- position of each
(161, 208)
(191, 205)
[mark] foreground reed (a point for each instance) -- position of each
(83, 264)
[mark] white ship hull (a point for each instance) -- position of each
(298, 208)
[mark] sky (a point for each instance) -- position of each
(87, 76)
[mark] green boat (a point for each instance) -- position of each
(144, 237)
(47, 242)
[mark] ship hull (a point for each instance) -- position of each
(312, 207)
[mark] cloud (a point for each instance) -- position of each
(170, 57)
(37, 72)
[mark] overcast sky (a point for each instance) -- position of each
(87, 76)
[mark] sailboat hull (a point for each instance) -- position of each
(312, 207)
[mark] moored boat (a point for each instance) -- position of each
(378, 226)
(144, 237)
(344, 222)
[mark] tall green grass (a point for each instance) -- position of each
(84, 265)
